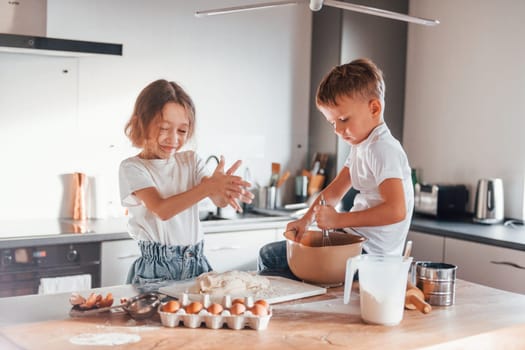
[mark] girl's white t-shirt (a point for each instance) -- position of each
(374, 160)
(175, 175)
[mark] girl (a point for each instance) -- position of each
(161, 187)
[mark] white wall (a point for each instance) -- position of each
(248, 74)
(465, 90)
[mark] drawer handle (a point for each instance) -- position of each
(509, 264)
(128, 257)
(229, 247)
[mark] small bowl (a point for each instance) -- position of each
(312, 262)
(142, 306)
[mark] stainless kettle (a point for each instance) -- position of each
(489, 201)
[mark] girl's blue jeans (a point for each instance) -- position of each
(160, 263)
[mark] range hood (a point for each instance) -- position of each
(52, 46)
(23, 29)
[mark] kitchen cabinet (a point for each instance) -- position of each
(116, 259)
(226, 251)
(497, 267)
(426, 247)
(237, 250)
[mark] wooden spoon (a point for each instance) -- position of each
(415, 299)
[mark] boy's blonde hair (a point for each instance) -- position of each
(359, 78)
(148, 109)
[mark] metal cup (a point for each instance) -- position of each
(268, 197)
(437, 281)
(261, 197)
(271, 196)
(301, 188)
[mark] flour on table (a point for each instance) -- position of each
(131, 326)
(229, 283)
(104, 339)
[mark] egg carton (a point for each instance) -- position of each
(237, 322)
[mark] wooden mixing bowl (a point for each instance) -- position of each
(312, 262)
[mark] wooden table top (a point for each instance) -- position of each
(310, 323)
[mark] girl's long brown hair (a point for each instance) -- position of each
(148, 109)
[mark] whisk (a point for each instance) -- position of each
(326, 237)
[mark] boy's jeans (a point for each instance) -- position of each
(272, 260)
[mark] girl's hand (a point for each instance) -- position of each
(245, 196)
(325, 216)
(233, 168)
(226, 188)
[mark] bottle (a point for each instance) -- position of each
(415, 179)
(248, 177)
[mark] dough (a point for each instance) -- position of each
(237, 283)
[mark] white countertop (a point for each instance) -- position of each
(18, 233)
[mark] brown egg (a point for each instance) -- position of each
(171, 306)
(215, 309)
(259, 310)
(194, 307)
(76, 299)
(237, 309)
(263, 303)
(90, 301)
(238, 301)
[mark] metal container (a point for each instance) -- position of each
(301, 189)
(79, 199)
(489, 202)
(437, 281)
(268, 197)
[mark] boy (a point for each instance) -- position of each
(351, 97)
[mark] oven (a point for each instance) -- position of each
(23, 270)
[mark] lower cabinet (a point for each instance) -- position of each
(237, 250)
(489, 265)
(426, 247)
(116, 259)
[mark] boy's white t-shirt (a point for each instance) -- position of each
(374, 160)
(177, 174)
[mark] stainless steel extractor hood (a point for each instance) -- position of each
(53, 46)
(23, 29)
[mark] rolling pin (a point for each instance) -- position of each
(415, 300)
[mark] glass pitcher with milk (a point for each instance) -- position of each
(382, 286)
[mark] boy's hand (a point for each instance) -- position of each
(326, 217)
(299, 226)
